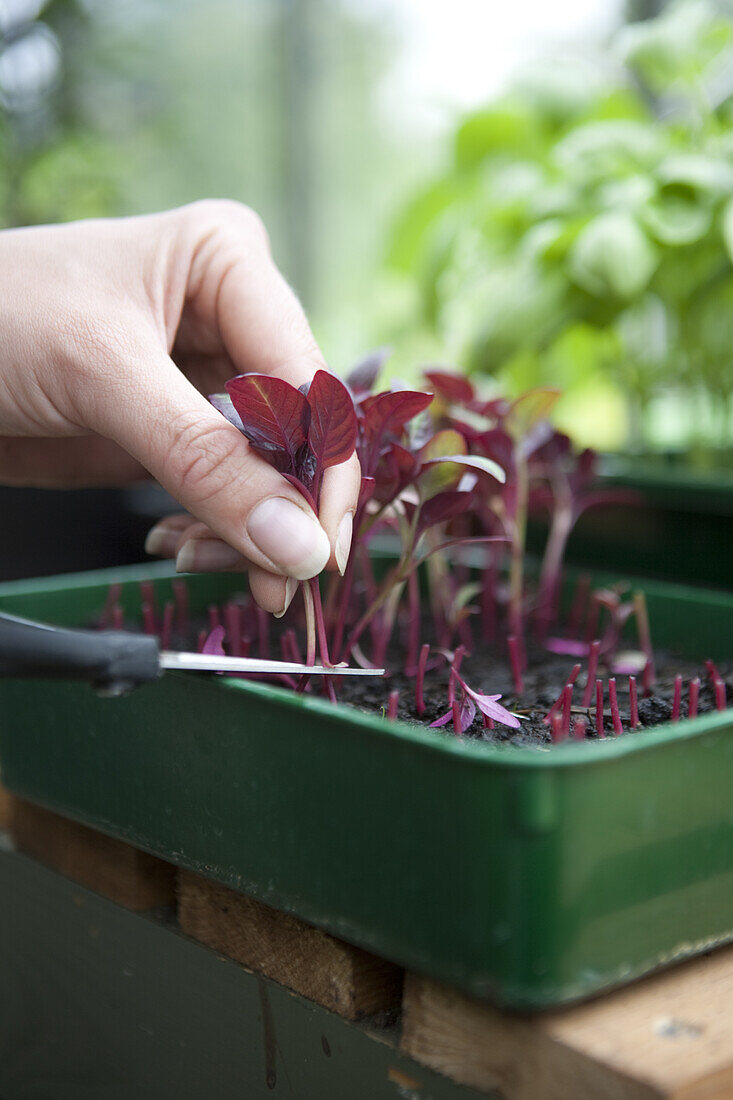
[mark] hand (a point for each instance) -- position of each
(112, 331)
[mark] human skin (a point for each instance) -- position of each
(111, 333)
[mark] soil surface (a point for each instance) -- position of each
(544, 680)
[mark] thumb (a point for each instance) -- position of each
(207, 465)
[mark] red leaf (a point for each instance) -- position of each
(332, 431)
(450, 385)
(443, 506)
(387, 413)
(361, 378)
(275, 415)
(489, 705)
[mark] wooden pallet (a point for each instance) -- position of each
(334, 974)
(669, 1036)
(116, 870)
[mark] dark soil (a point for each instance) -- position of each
(543, 681)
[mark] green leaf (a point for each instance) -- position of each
(675, 220)
(697, 172)
(530, 409)
(613, 256)
(727, 224)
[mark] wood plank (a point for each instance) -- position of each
(342, 978)
(111, 867)
(100, 1003)
(669, 1036)
(4, 807)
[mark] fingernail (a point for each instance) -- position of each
(343, 542)
(206, 556)
(286, 535)
(159, 541)
(291, 587)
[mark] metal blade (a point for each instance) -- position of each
(205, 662)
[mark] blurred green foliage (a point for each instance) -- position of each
(582, 235)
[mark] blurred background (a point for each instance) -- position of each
(538, 194)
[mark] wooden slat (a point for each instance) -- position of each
(111, 867)
(669, 1036)
(313, 963)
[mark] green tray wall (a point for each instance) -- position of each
(531, 877)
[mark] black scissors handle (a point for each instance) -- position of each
(113, 662)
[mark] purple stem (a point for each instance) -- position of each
(559, 702)
(693, 697)
(720, 699)
(166, 627)
(677, 699)
(233, 624)
(180, 596)
(566, 705)
(647, 679)
(113, 596)
(214, 618)
(118, 618)
(633, 703)
(413, 623)
(147, 594)
(263, 631)
(394, 698)
(557, 728)
(645, 638)
(579, 728)
(595, 649)
(618, 729)
(148, 618)
(419, 700)
(453, 677)
(600, 732)
(456, 709)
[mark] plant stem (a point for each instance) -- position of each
(592, 666)
(633, 703)
(693, 697)
(600, 732)
(677, 698)
(419, 700)
(618, 729)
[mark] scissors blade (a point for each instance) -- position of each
(205, 662)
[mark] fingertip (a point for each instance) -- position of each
(271, 592)
(339, 498)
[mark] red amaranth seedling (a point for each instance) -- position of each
(595, 649)
(633, 703)
(180, 597)
(693, 697)
(613, 700)
(720, 700)
(579, 729)
(557, 728)
(560, 701)
(166, 626)
(599, 708)
(419, 680)
(394, 698)
(148, 613)
(677, 699)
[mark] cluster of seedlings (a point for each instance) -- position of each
(451, 478)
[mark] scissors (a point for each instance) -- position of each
(116, 661)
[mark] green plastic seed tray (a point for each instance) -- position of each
(526, 876)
